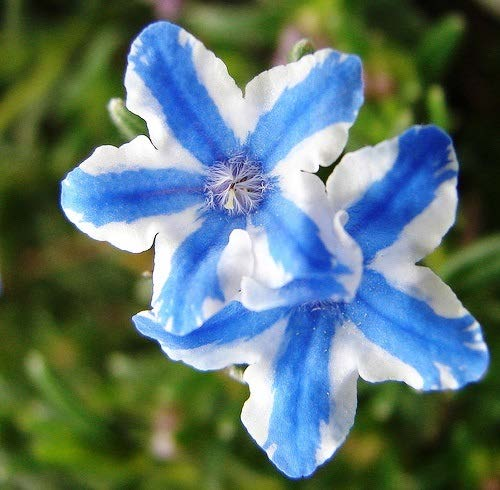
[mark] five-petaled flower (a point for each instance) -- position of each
(224, 174)
(397, 200)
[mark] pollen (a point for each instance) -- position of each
(235, 185)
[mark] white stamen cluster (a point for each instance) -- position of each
(235, 185)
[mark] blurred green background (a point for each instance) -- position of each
(85, 402)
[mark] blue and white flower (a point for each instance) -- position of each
(218, 161)
(397, 200)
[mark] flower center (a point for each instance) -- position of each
(235, 185)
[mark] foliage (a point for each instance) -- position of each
(88, 403)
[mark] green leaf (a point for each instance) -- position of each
(437, 108)
(127, 123)
(301, 48)
(475, 266)
(237, 25)
(62, 399)
(438, 45)
(54, 54)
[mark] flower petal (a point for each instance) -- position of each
(300, 255)
(302, 393)
(234, 335)
(127, 195)
(195, 277)
(183, 92)
(426, 338)
(307, 107)
(399, 194)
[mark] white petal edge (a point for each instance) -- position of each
(373, 363)
(227, 96)
(425, 232)
(266, 269)
(257, 297)
(320, 149)
(421, 283)
(448, 382)
(142, 102)
(257, 410)
(218, 356)
(132, 237)
(357, 171)
(236, 261)
(343, 397)
(136, 155)
(179, 226)
(262, 92)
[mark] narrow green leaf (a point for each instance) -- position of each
(301, 48)
(127, 123)
(54, 54)
(61, 398)
(474, 266)
(437, 108)
(438, 45)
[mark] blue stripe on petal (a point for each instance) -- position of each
(233, 322)
(193, 278)
(302, 391)
(130, 195)
(165, 64)
(410, 330)
(295, 243)
(331, 93)
(378, 218)
(316, 287)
